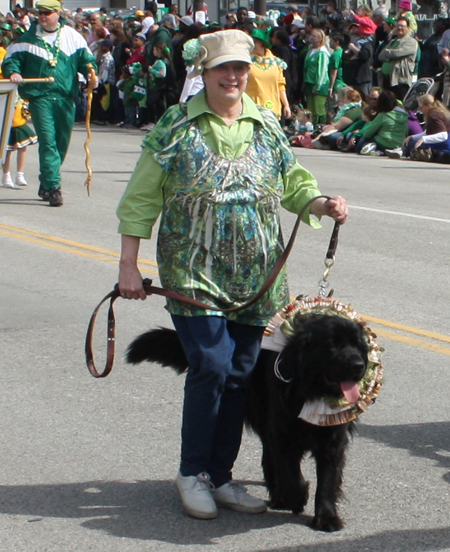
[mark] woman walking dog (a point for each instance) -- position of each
(217, 169)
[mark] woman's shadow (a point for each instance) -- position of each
(147, 510)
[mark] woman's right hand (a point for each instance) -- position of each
(130, 282)
(406, 141)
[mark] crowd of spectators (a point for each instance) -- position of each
(345, 73)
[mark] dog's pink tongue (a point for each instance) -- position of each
(350, 390)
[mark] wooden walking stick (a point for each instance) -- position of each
(31, 80)
(90, 93)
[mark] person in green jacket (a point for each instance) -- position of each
(50, 49)
(316, 79)
(389, 128)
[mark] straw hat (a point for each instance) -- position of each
(213, 49)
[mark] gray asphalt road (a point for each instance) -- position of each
(89, 465)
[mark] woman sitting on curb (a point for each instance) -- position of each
(347, 140)
(436, 136)
(389, 128)
(350, 111)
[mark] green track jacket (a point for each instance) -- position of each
(28, 57)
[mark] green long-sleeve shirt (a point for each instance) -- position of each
(388, 129)
(142, 201)
(315, 74)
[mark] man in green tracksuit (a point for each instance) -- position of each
(50, 49)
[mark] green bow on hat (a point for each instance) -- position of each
(263, 36)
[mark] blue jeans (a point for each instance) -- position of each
(411, 143)
(221, 356)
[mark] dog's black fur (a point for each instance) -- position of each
(324, 351)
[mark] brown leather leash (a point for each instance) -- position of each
(151, 289)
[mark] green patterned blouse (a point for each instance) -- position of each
(219, 235)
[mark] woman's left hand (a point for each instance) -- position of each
(336, 208)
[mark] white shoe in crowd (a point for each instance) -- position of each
(394, 153)
(368, 148)
(234, 496)
(147, 128)
(21, 180)
(7, 180)
(195, 493)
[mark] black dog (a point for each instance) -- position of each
(325, 355)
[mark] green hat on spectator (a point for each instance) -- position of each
(5, 27)
(51, 5)
(391, 21)
(263, 36)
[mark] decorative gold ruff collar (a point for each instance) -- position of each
(328, 411)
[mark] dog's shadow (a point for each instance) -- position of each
(429, 440)
(146, 510)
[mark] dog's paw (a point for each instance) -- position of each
(327, 523)
(294, 502)
(278, 504)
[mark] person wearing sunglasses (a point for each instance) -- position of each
(50, 49)
(398, 59)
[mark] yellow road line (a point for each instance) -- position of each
(112, 257)
(71, 243)
(413, 341)
(416, 331)
(106, 258)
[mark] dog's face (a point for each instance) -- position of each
(327, 355)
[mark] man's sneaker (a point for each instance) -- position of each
(234, 496)
(55, 197)
(43, 194)
(7, 180)
(21, 180)
(195, 493)
(394, 153)
(368, 148)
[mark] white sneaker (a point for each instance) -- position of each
(7, 180)
(21, 180)
(394, 153)
(195, 493)
(234, 496)
(149, 127)
(368, 148)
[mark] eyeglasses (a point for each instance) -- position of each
(239, 69)
(45, 12)
(401, 26)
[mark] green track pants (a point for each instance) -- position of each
(53, 120)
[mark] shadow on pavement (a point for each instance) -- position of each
(31, 202)
(150, 510)
(422, 540)
(147, 510)
(428, 440)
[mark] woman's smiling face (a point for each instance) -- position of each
(227, 81)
